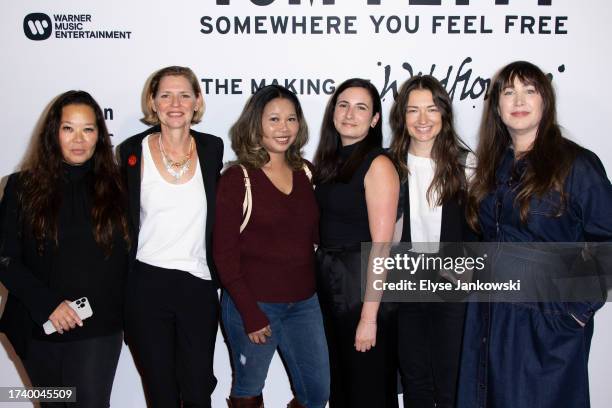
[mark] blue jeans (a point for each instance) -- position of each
(297, 331)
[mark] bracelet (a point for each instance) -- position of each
(368, 321)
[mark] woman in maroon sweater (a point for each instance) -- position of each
(267, 268)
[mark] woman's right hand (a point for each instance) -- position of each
(365, 335)
(259, 336)
(64, 318)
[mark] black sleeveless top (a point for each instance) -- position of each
(344, 213)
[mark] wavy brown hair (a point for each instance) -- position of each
(42, 177)
(449, 179)
(247, 132)
(549, 160)
(152, 87)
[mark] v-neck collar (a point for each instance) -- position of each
(276, 188)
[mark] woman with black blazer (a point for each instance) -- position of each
(172, 303)
(431, 159)
(64, 235)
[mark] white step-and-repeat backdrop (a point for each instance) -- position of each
(110, 47)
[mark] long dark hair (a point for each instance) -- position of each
(327, 160)
(247, 132)
(549, 160)
(449, 179)
(42, 177)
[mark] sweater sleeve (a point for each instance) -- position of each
(39, 299)
(226, 249)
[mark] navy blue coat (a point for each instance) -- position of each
(535, 355)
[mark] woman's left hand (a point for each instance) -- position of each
(365, 337)
(259, 336)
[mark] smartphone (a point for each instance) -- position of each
(81, 306)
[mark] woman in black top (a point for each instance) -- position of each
(64, 235)
(357, 191)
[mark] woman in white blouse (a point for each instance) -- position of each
(172, 306)
(431, 160)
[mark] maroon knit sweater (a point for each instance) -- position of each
(273, 259)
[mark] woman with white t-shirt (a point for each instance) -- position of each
(172, 306)
(431, 160)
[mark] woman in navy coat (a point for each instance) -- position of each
(531, 185)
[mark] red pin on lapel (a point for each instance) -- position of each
(132, 160)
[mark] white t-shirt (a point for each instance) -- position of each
(172, 220)
(425, 216)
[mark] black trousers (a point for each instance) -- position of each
(358, 380)
(429, 340)
(89, 365)
(171, 328)
(361, 380)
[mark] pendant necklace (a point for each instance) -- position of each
(179, 167)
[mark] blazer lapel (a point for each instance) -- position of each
(205, 156)
(406, 233)
(133, 183)
(451, 222)
(450, 229)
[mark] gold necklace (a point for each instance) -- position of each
(179, 167)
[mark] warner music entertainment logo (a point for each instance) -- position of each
(39, 26)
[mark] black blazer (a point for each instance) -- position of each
(454, 226)
(210, 158)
